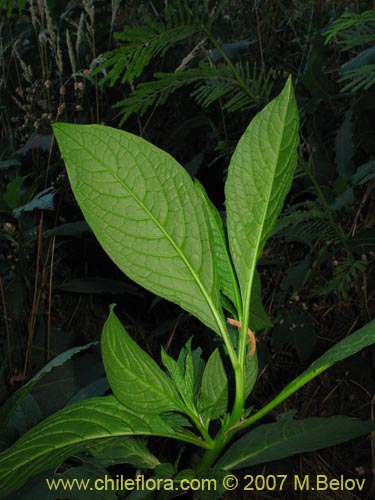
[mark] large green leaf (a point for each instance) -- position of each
(135, 378)
(72, 429)
(143, 208)
(259, 178)
(287, 436)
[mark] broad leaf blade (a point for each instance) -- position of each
(287, 437)
(135, 378)
(72, 429)
(259, 178)
(143, 208)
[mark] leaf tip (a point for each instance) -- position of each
(111, 308)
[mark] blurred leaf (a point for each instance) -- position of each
(42, 201)
(363, 242)
(367, 56)
(11, 405)
(12, 193)
(363, 174)
(36, 141)
(9, 163)
(96, 388)
(295, 330)
(68, 229)
(344, 146)
(314, 78)
(295, 277)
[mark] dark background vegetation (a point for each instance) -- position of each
(189, 80)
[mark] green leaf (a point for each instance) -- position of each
(287, 436)
(135, 378)
(259, 178)
(73, 429)
(227, 278)
(213, 398)
(186, 372)
(143, 208)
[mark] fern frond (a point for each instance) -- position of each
(212, 90)
(352, 30)
(157, 91)
(211, 84)
(345, 273)
(298, 214)
(141, 43)
(307, 225)
(358, 78)
(258, 83)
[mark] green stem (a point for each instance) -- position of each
(203, 431)
(290, 389)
